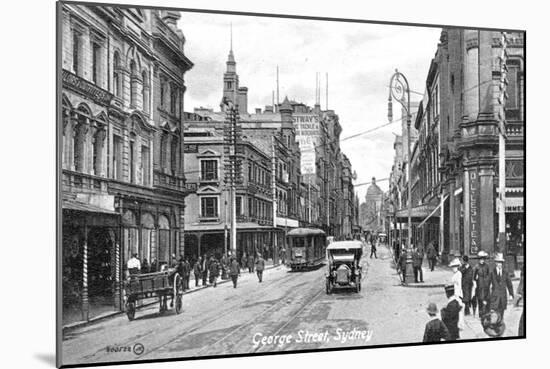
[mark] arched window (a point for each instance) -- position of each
(162, 93)
(145, 91)
(147, 237)
(77, 53)
(133, 84)
(97, 147)
(116, 75)
(81, 130)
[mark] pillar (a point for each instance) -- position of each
(85, 302)
(487, 209)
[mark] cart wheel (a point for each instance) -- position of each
(179, 304)
(131, 310)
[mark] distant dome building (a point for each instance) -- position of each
(371, 218)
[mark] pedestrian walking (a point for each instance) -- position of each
(418, 257)
(205, 265)
(197, 270)
(396, 251)
(435, 330)
(373, 250)
(250, 263)
(467, 285)
(283, 256)
(224, 264)
(500, 284)
(234, 271)
(186, 273)
(260, 266)
(214, 271)
(243, 261)
(456, 279)
(521, 295)
(431, 254)
(402, 265)
(481, 284)
(450, 313)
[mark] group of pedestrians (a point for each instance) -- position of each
(482, 289)
(417, 258)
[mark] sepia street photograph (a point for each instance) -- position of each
(235, 183)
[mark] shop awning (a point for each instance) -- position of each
(434, 211)
(68, 204)
(421, 211)
(287, 222)
(512, 204)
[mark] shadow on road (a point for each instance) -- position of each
(307, 269)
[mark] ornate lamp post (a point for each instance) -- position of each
(399, 86)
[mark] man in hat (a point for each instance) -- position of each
(481, 284)
(457, 277)
(431, 254)
(234, 271)
(450, 313)
(467, 284)
(435, 329)
(402, 265)
(260, 266)
(500, 282)
(417, 258)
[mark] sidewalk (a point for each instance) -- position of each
(154, 300)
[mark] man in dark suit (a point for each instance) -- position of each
(467, 285)
(435, 329)
(481, 282)
(500, 282)
(402, 265)
(431, 254)
(449, 314)
(417, 258)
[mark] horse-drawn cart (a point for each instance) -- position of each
(163, 285)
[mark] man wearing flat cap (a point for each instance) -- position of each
(481, 284)
(500, 282)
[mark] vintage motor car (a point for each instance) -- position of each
(344, 269)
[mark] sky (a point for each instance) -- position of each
(359, 58)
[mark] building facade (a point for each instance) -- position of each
(123, 185)
(456, 157)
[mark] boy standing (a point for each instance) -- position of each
(435, 329)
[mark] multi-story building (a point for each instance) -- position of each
(122, 166)
(208, 217)
(469, 87)
(455, 163)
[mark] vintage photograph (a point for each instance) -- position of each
(235, 184)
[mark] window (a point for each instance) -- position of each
(163, 151)
(96, 62)
(97, 148)
(209, 207)
(133, 84)
(239, 205)
(162, 93)
(173, 99)
(132, 163)
(145, 91)
(76, 53)
(79, 145)
(512, 102)
(145, 165)
(209, 170)
(174, 155)
(116, 75)
(117, 157)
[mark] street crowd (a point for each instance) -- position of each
(206, 269)
(480, 289)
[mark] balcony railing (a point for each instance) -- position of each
(83, 182)
(167, 180)
(514, 129)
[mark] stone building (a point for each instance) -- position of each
(123, 185)
(469, 76)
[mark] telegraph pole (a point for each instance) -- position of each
(502, 149)
(233, 170)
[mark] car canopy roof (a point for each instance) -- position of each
(345, 245)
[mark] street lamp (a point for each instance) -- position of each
(398, 87)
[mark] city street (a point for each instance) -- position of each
(287, 311)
